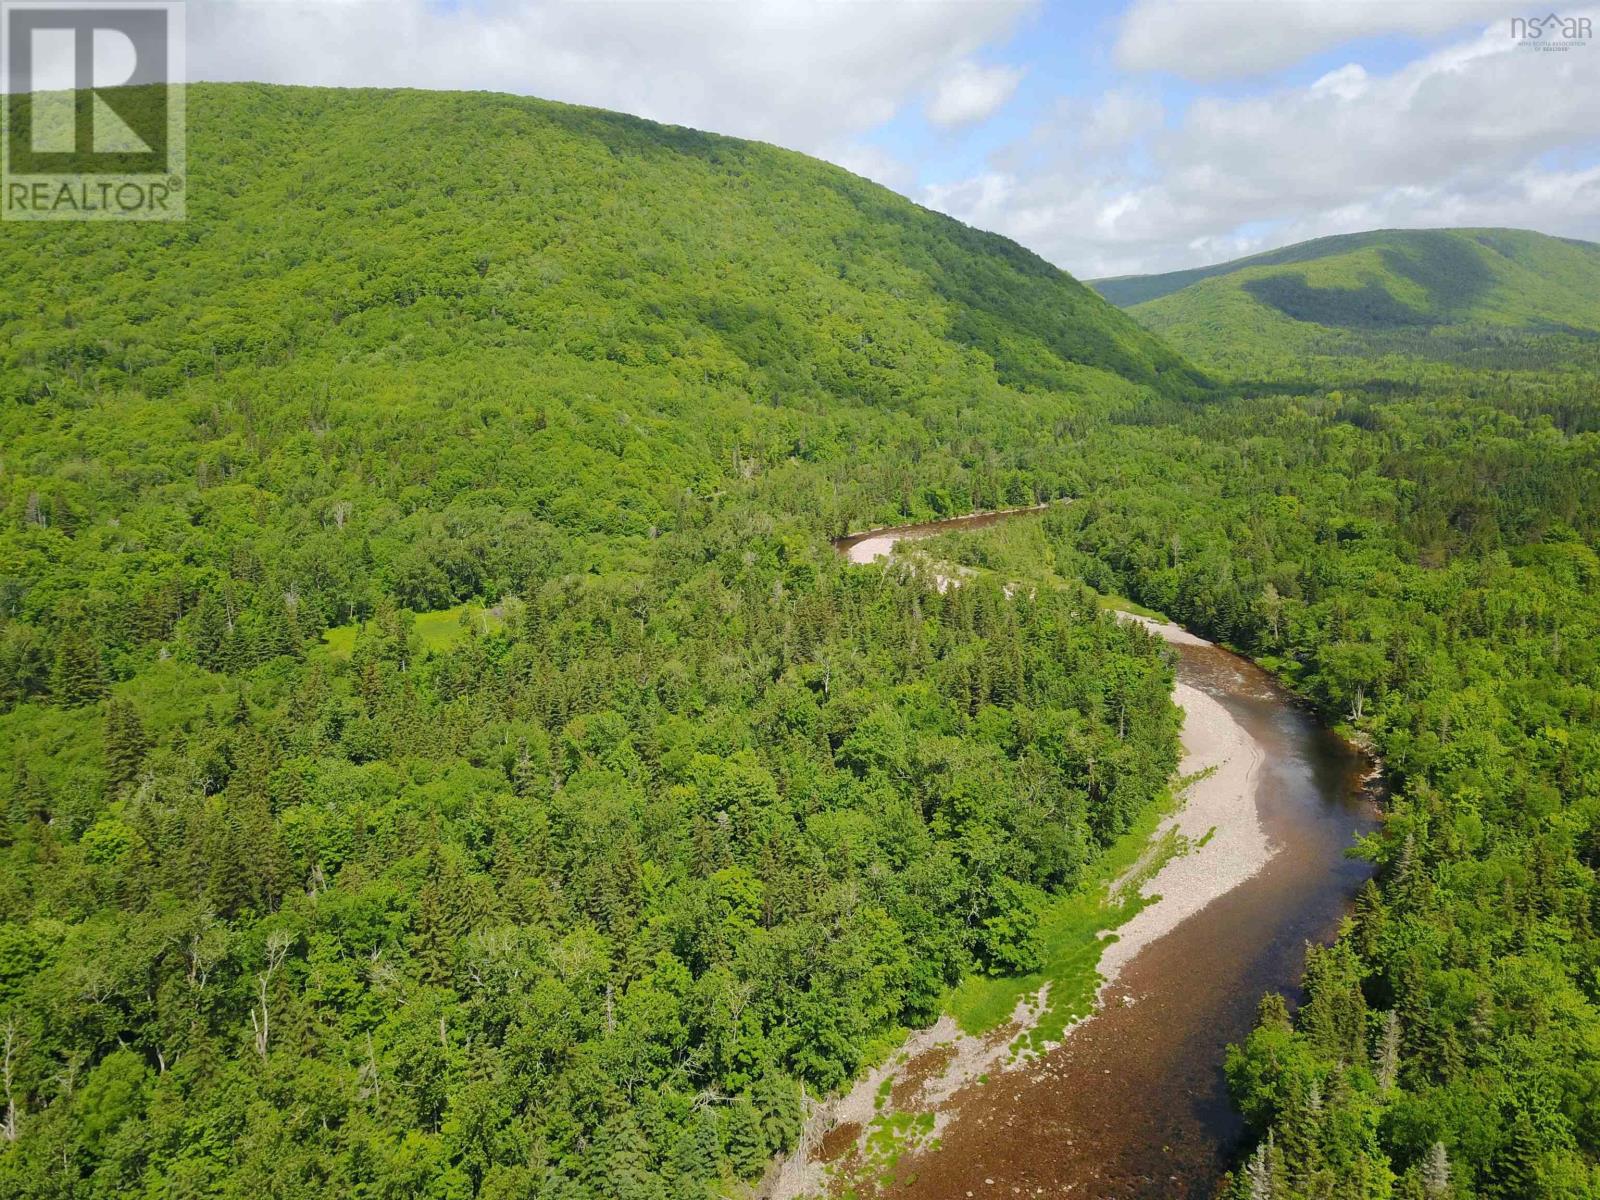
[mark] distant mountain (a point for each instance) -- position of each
(1434, 293)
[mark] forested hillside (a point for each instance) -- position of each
(1407, 533)
(1423, 571)
(1495, 299)
(443, 756)
(658, 814)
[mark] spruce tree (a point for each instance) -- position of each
(1386, 1056)
(619, 1163)
(30, 798)
(526, 777)
(777, 1098)
(1256, 1182)
(697, 1151)
(1514, 1172)
(125, 744)
(233, 882)
(1370, 916)
(746, 1144)
(443, 917)
(212, 633)
(78, 677)
(431, 942)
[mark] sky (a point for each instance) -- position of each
(1109, 137)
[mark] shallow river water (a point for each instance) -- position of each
(1133, 1103)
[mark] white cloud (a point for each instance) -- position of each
(1216, 39)
(1117, 118)
(1465, 135)
(1114, 183)
(809, 75)
(971, 93)
(1468, 112)
(1347, 83)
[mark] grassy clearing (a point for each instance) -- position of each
(1114, 603)
(1076, 927)
(438, 630)
(891, 1136)
(1073, 927)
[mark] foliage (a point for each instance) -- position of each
(441, 754)
(1421, 565)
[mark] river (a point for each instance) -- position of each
(1133, 1102)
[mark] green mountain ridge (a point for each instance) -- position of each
(652, 310)
(1428, 293)
(503, 199)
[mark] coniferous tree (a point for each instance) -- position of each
(1436, 1173)
(125, 744)
(777, 1098)
(697, 1152)
(78, 676)
(746, 1146)
(232, 882)
(619, 1163)
(30, 798)
(1514, 1171)
(212, 632)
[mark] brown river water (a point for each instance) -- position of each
(1133, 1103)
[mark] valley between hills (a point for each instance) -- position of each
(444, 753)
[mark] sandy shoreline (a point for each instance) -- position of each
(1217, 816)
(869, 545)
(1222, 805)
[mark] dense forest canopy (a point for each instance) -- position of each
(1402, 522)
(443, 756)
(658, 813)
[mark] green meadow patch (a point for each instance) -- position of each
(437, 631)
(1076, 928)
(1114, 603)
